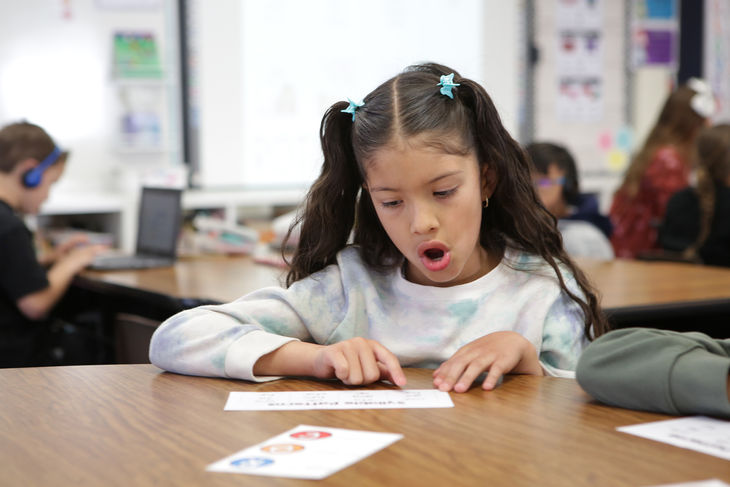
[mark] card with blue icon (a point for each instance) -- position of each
(306, 452)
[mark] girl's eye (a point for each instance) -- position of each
(390, 204)
(444, 194)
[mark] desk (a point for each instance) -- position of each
(622, 283)
(135, 425)
(634, 293)
(668, 295)
(206, 278)
(128, 304)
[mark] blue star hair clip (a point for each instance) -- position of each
(446, 84)
(352, 108)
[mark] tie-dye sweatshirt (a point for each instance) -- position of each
(422, 325)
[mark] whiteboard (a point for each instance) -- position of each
(268, 70)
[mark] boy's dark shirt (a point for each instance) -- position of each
(20, 275)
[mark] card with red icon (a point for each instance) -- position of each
(306, 452)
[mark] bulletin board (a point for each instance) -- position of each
(581, 87)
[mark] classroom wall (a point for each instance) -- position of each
(56, 70)
(264, 77)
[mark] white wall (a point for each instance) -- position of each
(56, 71)
(269, 70)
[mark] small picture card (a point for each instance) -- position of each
(699, 433)
(305, 452)
(350, 399)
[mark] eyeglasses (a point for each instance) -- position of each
(547, 182)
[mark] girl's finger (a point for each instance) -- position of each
(495, 373)
(391, 363)
(368, 365)
(469, 376)
(339, 365)
(450, 375)
(354, 375)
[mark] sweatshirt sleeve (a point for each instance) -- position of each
(563, 336)
(658, 370)
(227, 340)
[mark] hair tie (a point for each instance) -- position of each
(703, 103)
(446, 84)
(352, 108)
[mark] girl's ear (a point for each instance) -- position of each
(489, 181)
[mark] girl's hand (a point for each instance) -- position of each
(358, 361)
(500, 353)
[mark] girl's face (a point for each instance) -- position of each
(430, 204)
(550, 190)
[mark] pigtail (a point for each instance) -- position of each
(329, 210)
(515, 216)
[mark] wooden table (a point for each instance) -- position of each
(634, 293)
(669, 295)
(625, 283)
(213, 278)
(135, 425)
(622, 283)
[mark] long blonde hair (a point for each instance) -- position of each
(678, 125)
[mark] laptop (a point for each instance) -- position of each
(158, 227)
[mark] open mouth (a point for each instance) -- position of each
(434, 256)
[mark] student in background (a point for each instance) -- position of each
(697, 222)
(661, 168)
(658, 370)
(454, 264)
(585, 231)
(30, 163)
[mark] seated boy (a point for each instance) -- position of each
(584, 230)
(658, 370)
(30, 163)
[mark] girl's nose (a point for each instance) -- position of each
(423, 219)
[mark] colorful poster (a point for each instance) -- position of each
(654, 33)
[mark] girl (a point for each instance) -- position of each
(454, 264)
(696, 222)
(661, 168)
(581, 226)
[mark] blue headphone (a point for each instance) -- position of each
(33, 177)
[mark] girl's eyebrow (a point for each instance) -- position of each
(437, 178)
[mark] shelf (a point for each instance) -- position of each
(74, 203)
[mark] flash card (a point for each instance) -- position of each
(348, 399)
(306, 452)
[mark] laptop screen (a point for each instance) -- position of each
(160, 214)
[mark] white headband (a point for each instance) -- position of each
(703, 103)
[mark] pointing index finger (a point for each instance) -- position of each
(391, 363)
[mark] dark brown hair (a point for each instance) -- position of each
(543, 154)
(408, 105)
(23, 140)
(713, 150)
(678, 125)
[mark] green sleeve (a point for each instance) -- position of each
(658, 370)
